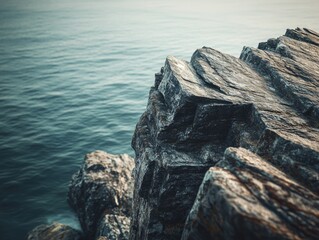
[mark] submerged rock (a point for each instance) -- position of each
(54, 231)
(266, 102)
(101, 194)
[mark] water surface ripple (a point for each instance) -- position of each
(75, 76)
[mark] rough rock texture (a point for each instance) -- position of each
(55, 231)
(101, 195)
(266, 102)
(114, 227)
(244, 197)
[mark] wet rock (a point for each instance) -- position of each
(266, 102)
(102, 187)
(54, 231)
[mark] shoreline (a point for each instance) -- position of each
(222, 138)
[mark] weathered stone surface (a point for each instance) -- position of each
(266, 101)
(293, 66)
(54, 231)
(295, 78)
(102, 187)
(114, 227)
(244, 197)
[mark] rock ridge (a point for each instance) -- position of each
(200, 114)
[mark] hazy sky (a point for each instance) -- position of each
(246, 22)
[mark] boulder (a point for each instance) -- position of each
(102, 187)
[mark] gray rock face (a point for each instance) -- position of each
(101, 195)
(266, 102)
(55, 231)
(245, 197)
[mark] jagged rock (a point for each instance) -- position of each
(292, 63)
(102, 188)
(114, 227)
(244, 197)
(266, 101)
(295, 79)
(54, 231)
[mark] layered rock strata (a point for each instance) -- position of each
(101, 195)
(265, 104)
(245, 197)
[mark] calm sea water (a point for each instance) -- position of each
(75, 75)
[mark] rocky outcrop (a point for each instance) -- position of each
(55, 231)
(227, 148)
(101, 195)
(263, 105)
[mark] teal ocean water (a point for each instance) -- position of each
(75, 76)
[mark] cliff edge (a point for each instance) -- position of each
(249, 128)
(227, 148)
